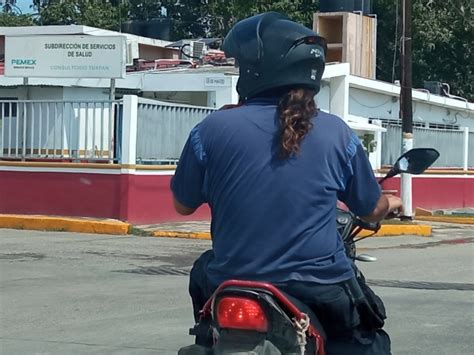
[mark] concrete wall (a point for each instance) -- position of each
(322, 98)
(33, 93)
(13, 92)
(86, 94)
(377, 105)
(45, 93)
(219, 86)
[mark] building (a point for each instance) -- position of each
(68, 148)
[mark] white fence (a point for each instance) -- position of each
(51, 130)
(137, 130)
(456, 147)
(85, 131)
(162, 129)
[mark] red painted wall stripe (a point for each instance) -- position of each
(88, 195)
(133, 198)
(438, 192)
(150, 200)
(143, 199)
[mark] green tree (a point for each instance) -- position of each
(443, 36)
(14, 20)
(388, 39)
(102, 14)
(144, 9)
(11, 15)
(216, 17)
(442, 30)
(442, 46)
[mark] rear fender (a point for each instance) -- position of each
(281, 333)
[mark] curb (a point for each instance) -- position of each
(186, 235)
(63, 224)
(446, 219)
(81, 225)
(395, 230)
(385, 231)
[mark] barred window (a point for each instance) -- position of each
(8, 109)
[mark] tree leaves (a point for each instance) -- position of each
(96, 13)
(442, 46)
(14, 20)
(443, 36)
(442, 30)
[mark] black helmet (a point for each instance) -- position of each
(274, 52)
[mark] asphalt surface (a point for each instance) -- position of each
(68, 293)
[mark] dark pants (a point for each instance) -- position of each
(332, 304)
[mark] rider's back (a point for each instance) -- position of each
(273, 219)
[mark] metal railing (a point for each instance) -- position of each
(163, 128)
(470, 155)
(450, 144)
(59, 130)
(92, 131)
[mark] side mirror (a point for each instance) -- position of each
(415, 161)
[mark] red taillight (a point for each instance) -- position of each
(241, 313)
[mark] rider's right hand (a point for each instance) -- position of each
(394, 203)
(395, 208)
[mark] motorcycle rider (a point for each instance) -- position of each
(272, 171)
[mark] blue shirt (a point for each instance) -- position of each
(274, 220)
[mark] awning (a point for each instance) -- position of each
(360, 124)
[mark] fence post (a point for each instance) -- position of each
(378, 145)
(2, 126)
(129, 132)
(466, 149)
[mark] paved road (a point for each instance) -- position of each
(66, 293)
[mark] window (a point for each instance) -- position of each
(398, 123)
(8, 107)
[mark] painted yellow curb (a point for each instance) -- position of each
(188, 235)
(385, 231)
(63, 224)
(446, 219)
(394, 230)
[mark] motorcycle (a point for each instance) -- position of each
(249, 317)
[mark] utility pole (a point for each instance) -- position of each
(406, 110)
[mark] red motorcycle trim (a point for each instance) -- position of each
(291, 308)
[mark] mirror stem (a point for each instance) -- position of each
(383, 179)
(390, 174)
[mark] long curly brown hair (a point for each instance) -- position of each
(296, 109)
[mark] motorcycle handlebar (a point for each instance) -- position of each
(368, 225)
